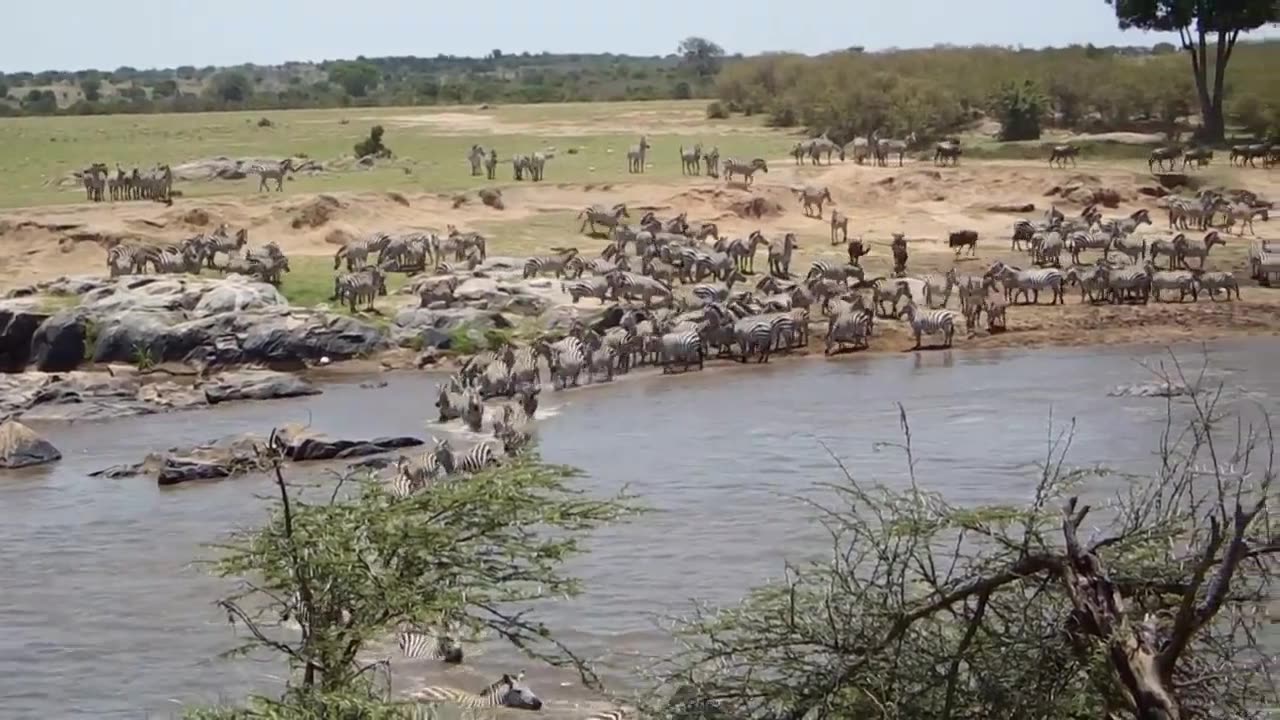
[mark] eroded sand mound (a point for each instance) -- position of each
(314, 212)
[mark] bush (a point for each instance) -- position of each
(716, 110)
(372, 145)
(1018, 108)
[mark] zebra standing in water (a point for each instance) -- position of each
(475, 459)
(506, 692)
(930, 322)
(420, 645)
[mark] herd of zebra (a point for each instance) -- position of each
(872, 147)
(198, 252)
(100, 185)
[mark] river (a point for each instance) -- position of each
(102, 614)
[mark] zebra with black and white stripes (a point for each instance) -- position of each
(747, 170)
(754, 335)
(848, 323)
(1215, 282)
(524, 368)
(429, 644)
(1080, 240)
(365, 285)
(1028, 283)
(219, 242)
(566, 358)
(507, 692)
(1023, 231)
(357, 252)
(475, 459)
(126, 259)
(930, 322)
(557, 263)
(683, 347)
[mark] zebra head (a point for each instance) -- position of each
(513, 693)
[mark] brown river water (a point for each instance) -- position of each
(102, 614)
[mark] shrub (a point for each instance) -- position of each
(716, 110)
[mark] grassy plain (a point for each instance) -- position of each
(38, 154)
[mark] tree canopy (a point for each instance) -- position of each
(702, 55)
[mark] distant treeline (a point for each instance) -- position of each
(939, 91)
(385, 81)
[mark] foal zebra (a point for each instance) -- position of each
(506, 692)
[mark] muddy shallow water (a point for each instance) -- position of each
(103, 615)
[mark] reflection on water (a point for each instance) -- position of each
(103, 614)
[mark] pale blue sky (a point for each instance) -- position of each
(80, 34)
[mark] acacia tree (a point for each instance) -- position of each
(1195, 22)
(1146, 607)
(702, 55)
(361, 561)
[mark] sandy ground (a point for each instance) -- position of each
(919, 200)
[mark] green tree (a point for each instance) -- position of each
(1019, 108)
(165, 88)
(4, 89)
(357, 78)
(91, 87)
(702, 55)
(231, 87)
(924, 609)
(1195, 23)
(359, 561)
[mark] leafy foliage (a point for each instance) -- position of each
(356, 563)
(372, 145)
(356, 78)
(925, 609)
(1019, 107)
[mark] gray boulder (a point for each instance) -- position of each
(58, 344)
(20, 446)
(299, 444)
(255, 385)
(18, 322)
(238, 294)
(426, 328)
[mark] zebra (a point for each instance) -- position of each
(691, 160)
(712, 162)
(636, 155)
(1080, 240)
(1127, 246)
(1127, 226)
(524, 370)
(746, 169)
(554, 263)
(595, 215)
(476, 156)
(275, 172)
(1169, 248)
(450, 399)
(356, 252)
(1046, 248)
(219, 242)
(1212, 282)
(429, 645)
(819, 146)
(1184, 281)
(753, 335)
(126, 259)
(519, 165)
(464, 243)
(506, 692)
(829, 270)
(537, 163)
(930, 322)
(1129, 283)
(491, 164)
(1244, 214)
(800, 150)
(171, 260)
(1189, 250)
(839, 227)
(1161, 155)
(475, 459)
(365, 285)
(886, 147)
(565, 358)
(1028, 283)
(947, 150)
(495, 380)
(596, 287)
(682, 347)
(630, 285)
(1023, 231)
(938, 285)
(1060, 154)
(780, 257)
(812, 196)
(1092, 280)
(847, 324)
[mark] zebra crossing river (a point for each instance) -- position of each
(103, 616)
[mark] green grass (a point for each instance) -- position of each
(35, 153)
(310, 282)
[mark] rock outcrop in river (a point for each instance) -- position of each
(20, 446)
